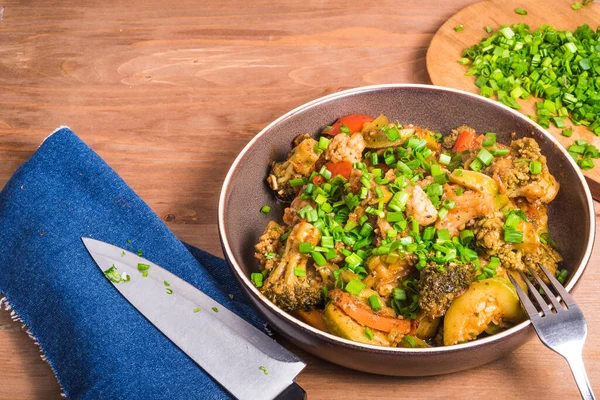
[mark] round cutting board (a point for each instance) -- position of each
(447, 46)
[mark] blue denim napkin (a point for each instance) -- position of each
(98, 345)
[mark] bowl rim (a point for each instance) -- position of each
(375, 348)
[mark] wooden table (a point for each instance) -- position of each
(169, 92)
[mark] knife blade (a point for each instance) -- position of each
(263, 369)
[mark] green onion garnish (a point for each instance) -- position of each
(355, 287)
(215, 309)
(409, 341)
(265, 209)
(257, 279)
(197, 309)
(143, 267)
(535, 167)
(511, 235)
(301, 271)
(319, 260)
(520, 11)
(368, 333)
(459, 28)
(373, 302)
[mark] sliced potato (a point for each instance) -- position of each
(376, 124)
(428, 327)
(474, 180)
(312, 317)
(340, 324)
(487, 301)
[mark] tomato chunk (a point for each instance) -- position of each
(465, 141)
(343, 168)
(353, 122)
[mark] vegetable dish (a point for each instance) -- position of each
(395, 235)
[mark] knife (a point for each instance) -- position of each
(203, 329)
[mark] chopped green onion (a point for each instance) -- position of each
(567, 132)
(257, 279)
(215, 309)
(305, 247)
(265, 209)
(485, 156)
(355, 287)
(520, 11)
(318, 259)
(444, 159)
(398, 201)
(297, 182)
(197, 309)
(368, 333)
(466, 236)
(298, 271)
(488, 29)
(373, 302)
(511, 235)
(143, 267)
(535, 167)
(409, 341)
(459, 28)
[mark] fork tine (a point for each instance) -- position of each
(565, 296)
(551, 296)
(538, 297)
(527, 304)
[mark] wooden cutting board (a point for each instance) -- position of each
(447, 45)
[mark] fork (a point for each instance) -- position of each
(561, 329)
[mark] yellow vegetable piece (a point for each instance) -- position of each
(474, 180)
(340, 324)
(428, 327)
(501, 201)
(376, 124)
(488, 301)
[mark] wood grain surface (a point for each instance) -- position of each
(447, 46)
(169, 92)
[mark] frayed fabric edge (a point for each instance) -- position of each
(53, 132)
(5, 304)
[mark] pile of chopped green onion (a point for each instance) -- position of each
(561, 68)
(583, 153)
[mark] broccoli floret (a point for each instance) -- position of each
(291, 285)
(438, 286)
(267, 249)
(543, 255)
(300, 164)
(489, 235)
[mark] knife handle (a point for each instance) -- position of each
(293, 392)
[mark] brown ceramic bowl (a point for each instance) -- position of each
(245, 191)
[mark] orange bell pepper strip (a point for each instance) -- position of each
(353, 122)
(365, 316)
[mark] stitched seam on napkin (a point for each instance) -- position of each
(14, 315)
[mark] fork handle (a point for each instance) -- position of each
(578, 369)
